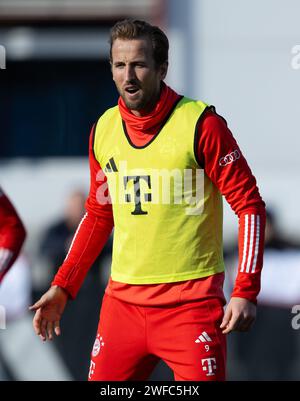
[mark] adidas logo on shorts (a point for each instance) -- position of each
(203, 338)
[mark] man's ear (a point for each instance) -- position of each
(111, 69)
(164, 70)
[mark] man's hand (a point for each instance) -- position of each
(239, 315)
(49, 309)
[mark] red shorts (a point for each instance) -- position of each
(132, 339)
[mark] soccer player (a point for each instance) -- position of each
(12, 234)
(164, 299)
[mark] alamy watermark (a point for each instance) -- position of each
(140, 187)
(296, 319)
(2, 318)
(295, 61)
(2, 58)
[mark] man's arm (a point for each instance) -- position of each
(224, 163)
(88, 241)
(12, 234)
(91, 234)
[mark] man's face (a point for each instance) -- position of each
(135, 74)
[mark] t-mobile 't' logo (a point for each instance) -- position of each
(137, 192)
(209, 365)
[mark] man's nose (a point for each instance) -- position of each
(129, 74)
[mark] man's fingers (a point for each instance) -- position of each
(224, 323)
(48, 312)
(233, 323)
(37, 322)
(50, 330)
(239, 323)
(57, 328)
(43, 329)
(226, 318)
(239, 315)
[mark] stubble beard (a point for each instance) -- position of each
(139, 105)
(142, 104)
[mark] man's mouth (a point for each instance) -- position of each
(131, 89)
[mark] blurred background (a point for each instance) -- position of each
(243, 57)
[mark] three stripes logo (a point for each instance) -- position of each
(111, 166)
(203, 338)
(252, 233)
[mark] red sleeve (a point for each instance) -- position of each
(92, 232)
(224, 163)
(12, 234)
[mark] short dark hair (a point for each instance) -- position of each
(135, 29)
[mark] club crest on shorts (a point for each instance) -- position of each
(97, 345)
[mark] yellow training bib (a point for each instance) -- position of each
(167, 212)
